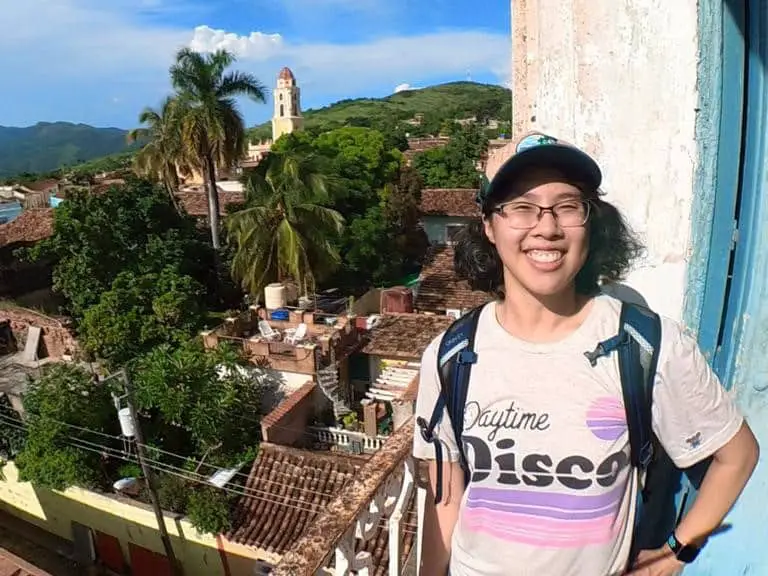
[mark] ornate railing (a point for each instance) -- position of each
(344, 438)
(381, 497)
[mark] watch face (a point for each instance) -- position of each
(687, 554)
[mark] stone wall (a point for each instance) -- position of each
(287, 424)
(619, 79)
(56, 339)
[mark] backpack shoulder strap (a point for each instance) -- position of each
(640, 335)
(455, 357)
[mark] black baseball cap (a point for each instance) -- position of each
(541, 151)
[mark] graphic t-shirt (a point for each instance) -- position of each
(545, 434)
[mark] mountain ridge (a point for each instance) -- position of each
(49, 146)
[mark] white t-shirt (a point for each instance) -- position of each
(546, 440)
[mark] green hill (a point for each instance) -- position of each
(47, 146)
(437, 104)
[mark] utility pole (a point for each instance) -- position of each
(148, 474)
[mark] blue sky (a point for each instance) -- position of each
(101, 61)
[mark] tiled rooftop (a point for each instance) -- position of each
(405, 336)
(440, 289)
(449, 202)
(31, 226)
(195, 202)
(291, 488)
(40, 185)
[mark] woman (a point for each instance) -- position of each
(536, 503)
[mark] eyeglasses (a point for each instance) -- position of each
(525, 215)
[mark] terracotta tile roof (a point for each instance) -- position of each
(12, 565)
(40, 185)
(291, 488)
(31, 226)
(195, 202)
(417, 145)
(449, 202)
(405, 336)
(378, 546)
(440, 289)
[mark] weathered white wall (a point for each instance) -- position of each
(618, 78)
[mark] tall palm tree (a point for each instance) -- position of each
(213, 128)
(284, 230)
(163, 154)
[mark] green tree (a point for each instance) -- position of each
(285, 230)
(199, 401)
(362, 162)
(454, 165)
(61, 407)
(212, 126)
(163, 154)
(388, 242)
(130, 228)
(140, 312)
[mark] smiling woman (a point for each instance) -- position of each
(547, 442)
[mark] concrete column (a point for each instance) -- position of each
(618, 78)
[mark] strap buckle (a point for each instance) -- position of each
(426, 433)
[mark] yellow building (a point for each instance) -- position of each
(287, 117)
(122, 532)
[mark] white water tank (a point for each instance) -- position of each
(127, 425)
(275, 296)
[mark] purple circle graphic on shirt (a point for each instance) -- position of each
(606, 419)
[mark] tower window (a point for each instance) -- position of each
(281, 97)
(282, 110)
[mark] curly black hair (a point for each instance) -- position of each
(612, 248)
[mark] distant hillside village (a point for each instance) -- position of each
(290, 391)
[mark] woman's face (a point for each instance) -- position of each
(545, 259)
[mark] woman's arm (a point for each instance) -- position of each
(731, 467)
(440, 519)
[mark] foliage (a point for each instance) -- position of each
(173, 493)
(208, 509)
(11, 435)
(388, 115)
(378, 197)
(191, 408)
(140, 312)
(212, 127)
(284, 229)
(60, 407)
(454, 165)
(163, 155)
(48, 146)
(132, 228)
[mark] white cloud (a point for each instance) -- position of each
(255, 46)
(403, 87)
(55, 49)
(382, 61)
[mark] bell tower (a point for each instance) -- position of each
(287, 116)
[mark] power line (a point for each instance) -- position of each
(259, 495)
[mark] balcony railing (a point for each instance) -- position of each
(346, 539)
(344, 438)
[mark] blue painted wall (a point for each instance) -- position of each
(742, 360)
(9, 211)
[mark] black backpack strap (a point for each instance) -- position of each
(640, 330)
(637, 344)
(454, 361)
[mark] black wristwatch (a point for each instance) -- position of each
(684, 552)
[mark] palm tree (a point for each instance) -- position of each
(284, 230)
(163, 153)
(212, 127)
